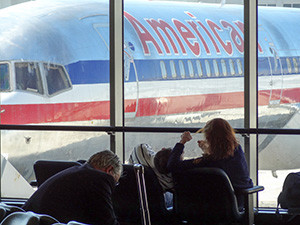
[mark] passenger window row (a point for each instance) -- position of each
(194, 68)
(292, 65)
(216, 68)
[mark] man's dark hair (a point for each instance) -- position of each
(161, 159)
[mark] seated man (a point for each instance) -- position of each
(80, 193)
(144, 154)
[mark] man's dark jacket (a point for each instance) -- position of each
(80, 193)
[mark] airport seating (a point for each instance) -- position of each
(126, 200)
(207, 195)
(28, 218)
(44, 169)
(5, 210)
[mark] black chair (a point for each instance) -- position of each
(70, 223)
(126, 201)
(5, 210)
(28, 218)
(206, 196)
(75, 223)
(45, 169)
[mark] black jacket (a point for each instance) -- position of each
(80, 193)
(235, 167)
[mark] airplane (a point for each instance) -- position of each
(183, 65)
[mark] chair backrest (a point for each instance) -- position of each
(28, 218)
(70, 223)
(205, 194)
(5, 210)
(126, 200)
(45, 169)
(75, 223)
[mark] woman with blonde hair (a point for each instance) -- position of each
(220, 149)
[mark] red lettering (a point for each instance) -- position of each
(188, 37)
(210, 36)
(143, 34)
(160, 24)
(235, 36)
(240, 25)
(195, 28)
(227, 47)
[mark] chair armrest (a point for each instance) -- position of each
(294, 211)
(248, 191)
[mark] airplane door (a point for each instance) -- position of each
(130, 74)
(131, 82)
(274, 79)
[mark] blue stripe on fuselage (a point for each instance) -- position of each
(92, 72)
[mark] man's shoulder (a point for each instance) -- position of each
(83, 171)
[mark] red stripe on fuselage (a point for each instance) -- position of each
(85, 111)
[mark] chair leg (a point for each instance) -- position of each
(249, 213)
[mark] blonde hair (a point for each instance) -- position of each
(221, 139)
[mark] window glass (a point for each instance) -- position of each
(173, 69)
(216, 68)
(272, 171)
(4, 77)
(163, 69)
(278, 106)
(181, 68)
(232, 68)
(224, 67)
(239, 66)
(17, 165)
(289, 65)
(296, 69)
(199, 68)
(28, 77)
(191, 68)
(207, 67)
(182, 102)
(57, 79)
(54, 71)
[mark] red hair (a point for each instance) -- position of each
(221, 139)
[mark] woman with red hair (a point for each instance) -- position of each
(220, 149)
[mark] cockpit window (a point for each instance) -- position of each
(57, 78)
(4, 77)
(28, 77)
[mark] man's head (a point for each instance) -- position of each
(161, 159)
(107, 162)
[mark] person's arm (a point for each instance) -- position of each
(175, 162)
